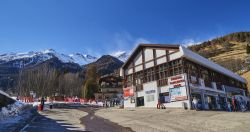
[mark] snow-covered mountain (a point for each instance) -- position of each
(23, 59)
(121, 55)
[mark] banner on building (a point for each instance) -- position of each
(178, 94)
(127, 92)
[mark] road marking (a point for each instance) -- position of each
(26, 126)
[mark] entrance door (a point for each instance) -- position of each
(140, 101)
(211, 100)
(198, 97)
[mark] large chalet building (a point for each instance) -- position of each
(175, 75)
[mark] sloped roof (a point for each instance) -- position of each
(209, 64)
(3, 93)
(141, 46)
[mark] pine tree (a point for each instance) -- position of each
(91, 85)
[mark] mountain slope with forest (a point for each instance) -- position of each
(229, 51)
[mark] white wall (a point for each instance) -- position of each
(138, 68)
(171, 51)
(128, 104)
(147, 87)
(149, 64)
(175, 55)
(161, 60)
(160, 53)
(128, 71)
(178, 104)
(148, 54)
(138, 59)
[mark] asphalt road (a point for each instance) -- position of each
(56, 120)
(71, 120)
(98, 124)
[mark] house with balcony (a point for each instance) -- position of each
(175, 75)
(110, 87)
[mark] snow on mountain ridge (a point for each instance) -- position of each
(78, 58)
(121, 55)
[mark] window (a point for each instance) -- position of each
(138, 78)
(128, 81)
(164, 97)
(162, 71)
(149, 75)
(206, 77)
(175, 67)
(150, 98)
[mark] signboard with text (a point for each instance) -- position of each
(128, 92)
(178, 93)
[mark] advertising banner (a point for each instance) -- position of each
(178, 94)
(128, 92)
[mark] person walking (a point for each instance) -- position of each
(42, 103)
(195, 102)
(229, 107)
(159, 103)
(234, 104)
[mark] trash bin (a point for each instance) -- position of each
(184, 105)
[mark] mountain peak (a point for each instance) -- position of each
(121, 55)
(49, 51)
(33, 57)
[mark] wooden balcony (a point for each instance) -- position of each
(162, 82)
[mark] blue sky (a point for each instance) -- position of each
(104, 26)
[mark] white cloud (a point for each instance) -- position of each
(117, 53)
(189, 42)
(124, 41)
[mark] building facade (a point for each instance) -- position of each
(110, 87)
(175, 75)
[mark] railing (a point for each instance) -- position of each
(138, 87)
(162, 82)
(208, 83)
(111, 86)
(219, 86)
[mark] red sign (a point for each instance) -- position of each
(178, 81)
(176, 78)
(127, 92)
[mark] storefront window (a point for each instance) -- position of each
(164, 97)
(150, 98)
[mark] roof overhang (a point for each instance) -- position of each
(188, 54)
(155, 46)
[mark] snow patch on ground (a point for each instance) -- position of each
(14, 116)
(11, 110)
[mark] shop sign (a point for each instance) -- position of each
(176, 79)
(128, 92)
(150, 91)
(178, 94)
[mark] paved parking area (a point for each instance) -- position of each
(56, 120)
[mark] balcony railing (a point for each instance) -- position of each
(219, 86)
(111, 86)
(208, 83)
(162, 82)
